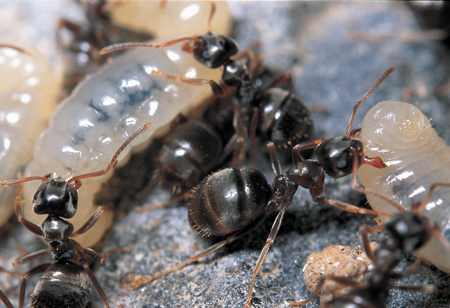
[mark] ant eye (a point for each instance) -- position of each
(342, 164)
(206, 55)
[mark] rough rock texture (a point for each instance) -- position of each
(331, 71)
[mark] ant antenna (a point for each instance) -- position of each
(113, 162)
(129, 45)
(23, 180)
(211, 14)
(19, 49)
(355, 108)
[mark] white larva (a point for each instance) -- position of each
(416, 158)
(105, 109)
(175, 18)
(28, 95)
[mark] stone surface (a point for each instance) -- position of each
(331, 71)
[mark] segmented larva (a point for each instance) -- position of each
(104, 110)
(171, 18)
(28, 95)
(416, 158)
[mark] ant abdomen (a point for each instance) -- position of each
(228, 200)
(57, 288)
(284, 118)
(186, 158)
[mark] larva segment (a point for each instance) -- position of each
(28, 92)
(416, 158)
(173, 18)
(103, 111)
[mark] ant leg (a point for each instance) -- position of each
(132, 281)
(5, 300)
(2, 270)
(273, 156)
(418, 209)
(427, 289)
(122, 249)
(95, 282)
(441, 90)
(241, 132)
(227, 149)
(296, 156)
(270, 239)
(365, 230)
(178, 198)
(258, 67)
(34, 271)
(31, 257)
(64, 23)
(90, 222)
(411, 269)
(354, 184)
(253, 126)
(321, 283)
(286, 78)
(90, 253)
(19, 211)
(437, 233)
(348, 207)
(150, 185)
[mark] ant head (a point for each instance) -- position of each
(336, 156)
(212, 49)
(409, 230)
(56, 197)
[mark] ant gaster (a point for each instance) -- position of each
(233, 201)
(64, 283)
(408, 232)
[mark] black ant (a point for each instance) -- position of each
(233, 202)
(196, 147)
(283, 117)
(82, 50)
(64, 283)
(408, 232)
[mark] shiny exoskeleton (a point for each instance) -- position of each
(282, 116)
(66, 282)
(234, 201)
(408, 231)
(341, 156)
(81, 52)
(194, 148)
